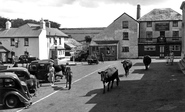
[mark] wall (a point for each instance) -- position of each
(32, 48)
(43, 45)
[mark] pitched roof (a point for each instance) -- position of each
(161, 14)
(29, 30)
(73, 42)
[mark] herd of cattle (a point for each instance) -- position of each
(111, 73)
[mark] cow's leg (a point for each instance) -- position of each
(103, 87)
(112, 83)
(117, 78)
(108, 85)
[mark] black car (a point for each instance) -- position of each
(13, 91)
(24, 75)
(27, 59)
(40, 68)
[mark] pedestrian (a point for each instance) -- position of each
(167, 59)
(51, 74)
(102, 57)
(171, 56)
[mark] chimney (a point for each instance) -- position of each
(8, 25)
(138, 12)
(48, 24)
(42, 24)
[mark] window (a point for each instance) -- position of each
(125, 35)
(149, 48)
(26, 42)
(60, 41)
(149, 36)
(55, 41)
(174, 47)
(9, 83)
(125, 49)
(12, 42)
(175, 33)
(175, 23)
(49, 39)
(149, 24)
(125, 24)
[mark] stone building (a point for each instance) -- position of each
(160, 32)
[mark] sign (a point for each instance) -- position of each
(162, 26)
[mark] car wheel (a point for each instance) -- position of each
(11, 101)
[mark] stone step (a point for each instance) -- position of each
(181, 66)
(182, 63)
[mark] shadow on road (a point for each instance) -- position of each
(160, 89)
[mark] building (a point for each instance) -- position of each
(34, 39)
(160, 31)
(118, 40)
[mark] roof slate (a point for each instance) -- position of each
(29, 30)
(161, 14)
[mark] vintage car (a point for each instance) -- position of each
(13, 91)
(92, 59)
(24, 75)
(40, 68)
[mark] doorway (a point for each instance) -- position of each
(161, 51)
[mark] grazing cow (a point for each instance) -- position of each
(147, 60)
(108, 76)
(127, 64)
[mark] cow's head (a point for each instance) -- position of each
(103, 75)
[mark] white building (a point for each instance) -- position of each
(37, 40)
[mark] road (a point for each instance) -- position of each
(161, 88)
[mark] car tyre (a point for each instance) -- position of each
(11, 101)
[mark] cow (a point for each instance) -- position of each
(127, 64)
(147, 61)
(108, 76)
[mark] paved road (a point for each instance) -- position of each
(161, 88)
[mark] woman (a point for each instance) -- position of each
(51, 74)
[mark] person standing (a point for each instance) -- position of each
(102, 57)
(171, 57)
(51, 74)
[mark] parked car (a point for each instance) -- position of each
(13, 91)
(24, 75)
(40, 68)
(26, 59)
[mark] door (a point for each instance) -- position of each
(162, 33)
(161, 51)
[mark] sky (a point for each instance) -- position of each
(81, 13)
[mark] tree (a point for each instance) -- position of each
(2, 22)
(88, 39)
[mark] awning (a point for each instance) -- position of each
(69, 45)
(58, 47)
(3, 49)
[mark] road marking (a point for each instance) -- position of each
(59, 90)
